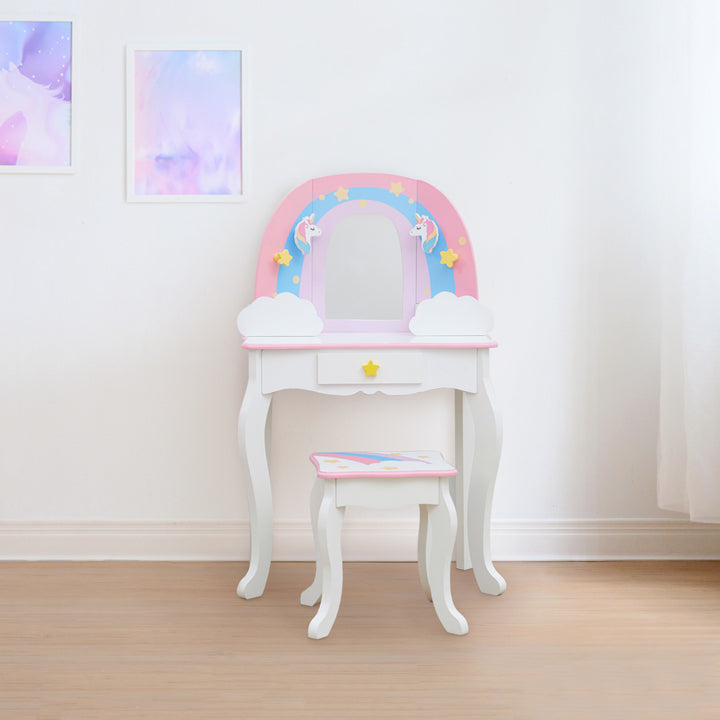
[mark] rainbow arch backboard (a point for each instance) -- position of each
(437, 258)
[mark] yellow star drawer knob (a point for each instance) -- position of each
(282, 258)
(449, 257)
(370, 369)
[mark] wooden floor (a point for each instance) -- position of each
(630, 640)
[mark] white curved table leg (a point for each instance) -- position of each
(311, 595)
(442, 528)
(464, 449)
(486, 458)
(254, 463)
(422, 551)
(329, 555)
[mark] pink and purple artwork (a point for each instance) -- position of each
(186, 124)
(35, 94)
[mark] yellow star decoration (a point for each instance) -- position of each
(448, 257)
(396, 188)
(341, 193)
(370, 369)
(282, 258)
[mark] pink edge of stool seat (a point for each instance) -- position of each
(437, 466)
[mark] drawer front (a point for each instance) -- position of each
(370, 367)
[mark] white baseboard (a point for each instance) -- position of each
(528, 540)
(616, 539)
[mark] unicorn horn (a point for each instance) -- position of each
(312, 218)
(418, 217)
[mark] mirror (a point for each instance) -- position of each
(363, 270)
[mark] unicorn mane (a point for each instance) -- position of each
(305, 230)
(427, 231)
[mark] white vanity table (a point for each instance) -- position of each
(287, 350)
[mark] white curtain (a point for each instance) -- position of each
(689, 437)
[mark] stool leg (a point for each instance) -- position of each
(329, 557)
(312, 594)
(422, 551)
(442, 527)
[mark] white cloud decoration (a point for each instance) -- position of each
(448, 314)
(285, 315)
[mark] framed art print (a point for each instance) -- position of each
(36, 95)
(186, 124)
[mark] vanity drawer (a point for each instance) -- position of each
(357, 366)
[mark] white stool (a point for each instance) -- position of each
(382, 480)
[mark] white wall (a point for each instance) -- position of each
(556, 128)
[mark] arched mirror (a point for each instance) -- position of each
(364, 270)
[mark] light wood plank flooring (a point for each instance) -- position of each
(630, 640)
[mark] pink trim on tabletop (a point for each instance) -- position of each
(303, 344)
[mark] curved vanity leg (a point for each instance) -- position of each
(442, 528)
(311, 595)
(254, 463)
(329, 557)
(464, 449)
(488, 442)
(422, 551)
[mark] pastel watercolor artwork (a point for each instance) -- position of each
(187, 124)
(35, 94)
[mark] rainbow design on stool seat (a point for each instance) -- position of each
(429, 463)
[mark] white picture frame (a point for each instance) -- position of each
(186, 123)
(38, 81)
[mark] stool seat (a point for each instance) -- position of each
(382, 480)
(429, 463)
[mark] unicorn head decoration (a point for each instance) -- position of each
(427, 231)
(305, 230)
